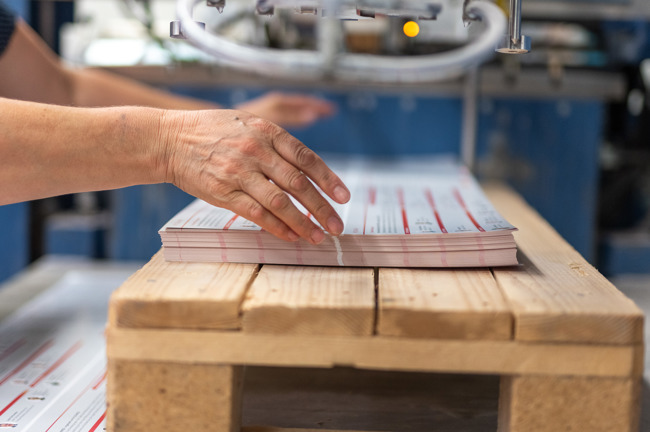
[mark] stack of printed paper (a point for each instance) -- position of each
(428, 213)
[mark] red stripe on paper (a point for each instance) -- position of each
(5, 409)
(432, 203)
(69, 406)
(97, 423)
(100, 381)
(372, 197)
(58, 363)
(12, 349)
(402, 204)
(230, 222)
(28, 360)
(260, 248)
(467, 212)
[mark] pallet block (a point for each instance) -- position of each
(566, 343)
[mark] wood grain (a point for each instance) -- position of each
(386, 353)
(145, 396)
(555, 295)
(182, 295)
(551, 404)
(443, 304)
(311, 300)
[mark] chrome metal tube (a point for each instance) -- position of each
(305, 65)
(514, 21)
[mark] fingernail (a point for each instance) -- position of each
(334, 225)
(341, 194)
(293, 236)
(317, 236)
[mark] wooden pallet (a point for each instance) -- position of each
(567, 345)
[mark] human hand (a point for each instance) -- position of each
(289, 110)
(235, 160)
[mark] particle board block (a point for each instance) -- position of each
(311, 300)
(442, 304)
(182, 295)
(555, 295)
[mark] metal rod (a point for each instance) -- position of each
(514, 20)
(470, 118)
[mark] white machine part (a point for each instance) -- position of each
(330, 60)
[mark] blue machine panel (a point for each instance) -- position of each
(14, 239)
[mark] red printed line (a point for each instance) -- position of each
(299, 253)
(100, 381)
(372, 197)
(230, 222)
(58, 363)
(12, 349)
(5, 409)
(222, 245)
(469, 215)
(402, 204)
(97, 423)
(93, 386)
(260, 248)
(28, 360)
(432, 203)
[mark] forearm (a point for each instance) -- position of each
(92, 87)
(31, 71)
(47, 150)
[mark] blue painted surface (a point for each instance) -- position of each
(138, 213)
(76, 234)
(20, 7)
(14, 239)
(551, 152)
(624, 256)
(381, 125)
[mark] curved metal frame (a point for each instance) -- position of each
(296, 64)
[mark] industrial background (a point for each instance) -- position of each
(568, 125)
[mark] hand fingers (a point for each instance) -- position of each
(298, 185)
(249, 208)
(275, 200)
(315, 105)
(305, 160)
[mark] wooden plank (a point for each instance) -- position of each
(555, 294)
(551, 404)
(386, 353)
(311, 300)
(443, 304)
(182, 295)
(145, 396)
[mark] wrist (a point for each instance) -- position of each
(168, 142)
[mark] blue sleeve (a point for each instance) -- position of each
(7, 25)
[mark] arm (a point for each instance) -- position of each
(31, 71)
(222, 156)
